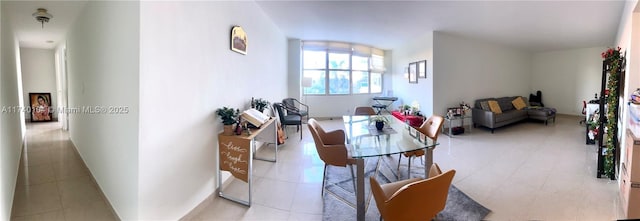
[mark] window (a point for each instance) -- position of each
(376, 82)
(314, 69)
(341, 69)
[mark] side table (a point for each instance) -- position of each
(460, 118)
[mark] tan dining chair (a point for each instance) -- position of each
(413, 199)
(332, 149)
(431, 128)
(364, 111)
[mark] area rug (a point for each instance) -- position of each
(339, 197)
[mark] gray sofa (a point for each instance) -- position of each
(509, 115)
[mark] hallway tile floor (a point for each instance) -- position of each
(53, 182)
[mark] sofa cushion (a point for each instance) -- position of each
(495, 108)
(505, 103)
(518, 103)
(477, 102)
(485, 105)
(510, 115)
(526, 101)
(541, 112)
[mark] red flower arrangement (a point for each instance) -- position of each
(611, 53)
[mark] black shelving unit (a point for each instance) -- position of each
(606, 70)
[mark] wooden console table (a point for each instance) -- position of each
(235, 154)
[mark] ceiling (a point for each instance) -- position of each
(529, 25)
(30, 32)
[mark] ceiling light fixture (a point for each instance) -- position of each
(42, 16)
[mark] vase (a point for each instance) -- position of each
(238, 129)
(228, 130)
(379, 125)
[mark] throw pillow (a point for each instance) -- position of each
(495, 108)
(484, 105)
(518, 103)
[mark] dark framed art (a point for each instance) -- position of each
(40, 107)
(413, 72)
(422, 69)
(239, 41)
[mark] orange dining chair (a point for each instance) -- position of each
(413, 199)
(431, 128)
(364, 111)
(332, 149)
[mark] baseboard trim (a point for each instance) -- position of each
(191, 215)
(93, 179)
(15, 184)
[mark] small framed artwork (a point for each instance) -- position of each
(40, 107)
(413, 73)
(422, 69)
(239, 40)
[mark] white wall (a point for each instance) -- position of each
(11, 122)
(38, 75)
(467, 69)
(336, 105)
(187, 71)
(567, 77)
(628, 38)
(420, 49)
(103, 58)
(294, 65)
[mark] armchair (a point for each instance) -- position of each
(288, 119)
(331, 148)
(293, 106)
(413, 199)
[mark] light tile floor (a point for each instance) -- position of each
(527, 171)
(53, 182)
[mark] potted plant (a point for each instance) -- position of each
(260, 104)
(379, 121)
(406, 109)
(229, 116)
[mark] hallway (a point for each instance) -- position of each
(53, 182)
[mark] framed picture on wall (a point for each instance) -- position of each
(413, 73)
(239, 41)
(422, 69)
(40, 107)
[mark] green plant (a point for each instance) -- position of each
(229, 116)
(260, 104)
(615, 60)
(379, 118)
(406, 107)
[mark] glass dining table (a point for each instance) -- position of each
(364, 140)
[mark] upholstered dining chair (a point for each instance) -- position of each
(364, 111)
(332, 149)
(295, 107)
(431, 128)
(413, 199)
(288, 119)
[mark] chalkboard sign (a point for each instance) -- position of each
(235, 155)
